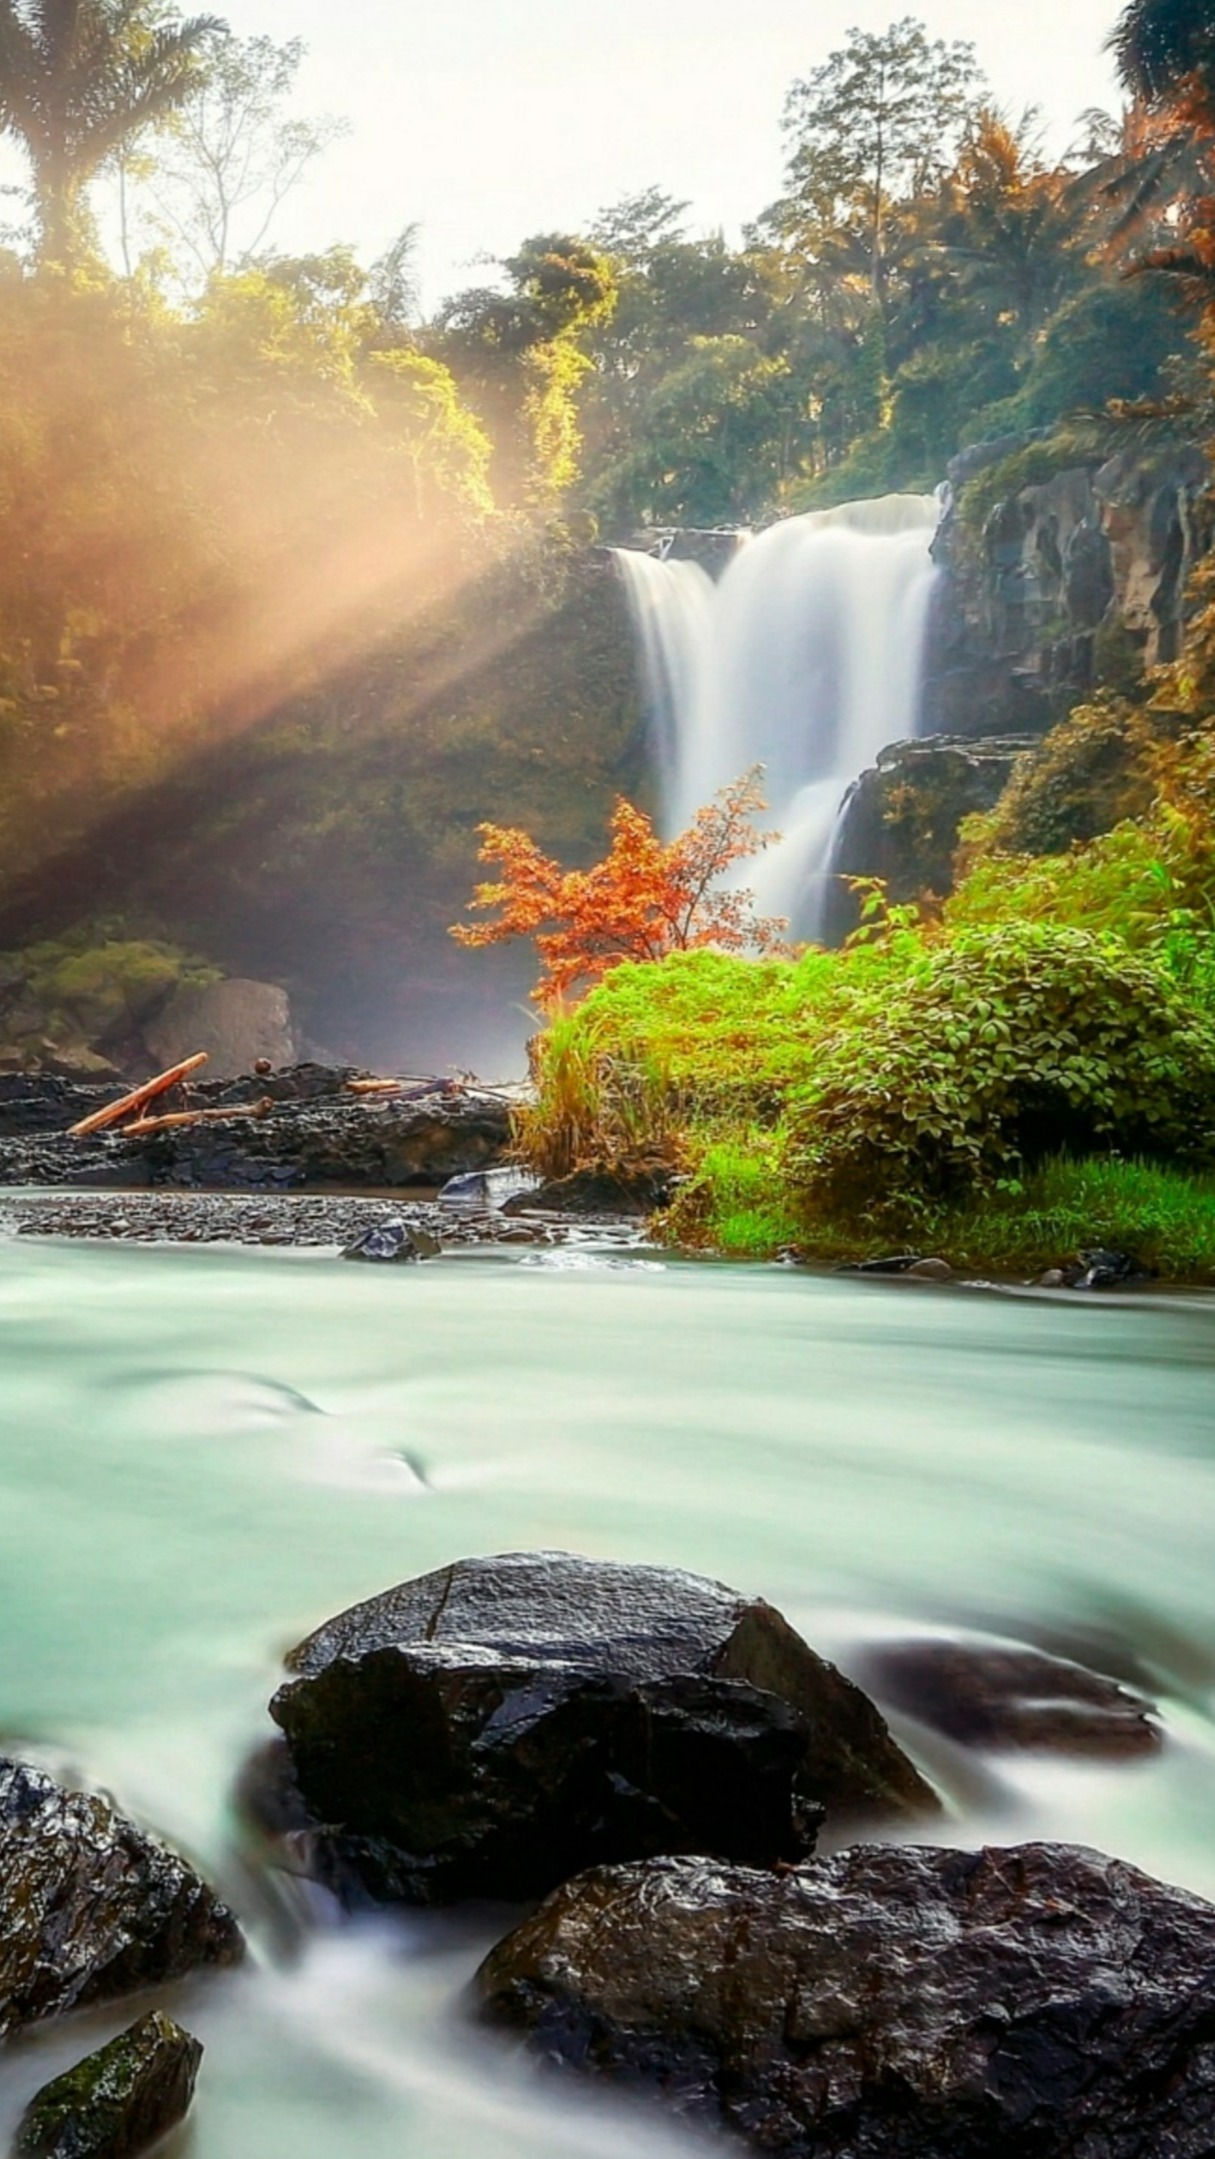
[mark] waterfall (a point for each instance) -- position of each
(806, 658)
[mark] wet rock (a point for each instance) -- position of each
(393, 1243)
(491, 1728)
(90, 1908)
(306, 1219)
(895, 1263)
(1090, 562)
(1105, 1270)
(595, 1192)
(1038, 2003)
(1010, 1698)
(901, 819)
(714, 548)
(119, 2101)
(489, 1187)
(1054, 1278)
(931, 1270)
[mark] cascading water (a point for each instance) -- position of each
(806, 658)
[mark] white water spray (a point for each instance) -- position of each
(807, 658)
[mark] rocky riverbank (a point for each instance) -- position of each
(303, 1221)
(305, 1127)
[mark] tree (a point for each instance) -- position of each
(634, 227)
(1162, 185)
(521, 353)
(392, 286)
(231, 153)
(79, 81)
(711, 444)
(645, 899)
(874, 125)
(1011, 232)
(1158, 43)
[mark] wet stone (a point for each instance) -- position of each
(1006, 1698)
(118, 2102)
(393, 1243)
(90, 1908)
(489, 1729)
(1105, 1270)
(1036, 2003)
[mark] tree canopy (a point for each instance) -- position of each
(79, 81)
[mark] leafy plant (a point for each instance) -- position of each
(993, 1051)
(647, 897)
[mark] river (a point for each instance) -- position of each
(203, 1453)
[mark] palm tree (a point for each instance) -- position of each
(1163, 185)
(79, 79)
(1158, 43)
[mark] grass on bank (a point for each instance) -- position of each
(1165, 1217)
(1002, 1095)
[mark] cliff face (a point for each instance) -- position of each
(901, 819)
(1067, 583)
(1073, 581)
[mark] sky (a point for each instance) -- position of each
(488, 120)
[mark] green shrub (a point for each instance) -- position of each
(992, 1052)
(1088, 774)
(1164, 1217)
(703, 1038)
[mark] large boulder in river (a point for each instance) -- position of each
(492, 1728)
(1040, 2003)
(91, 1909)
(119, 2101)
(235, 1022)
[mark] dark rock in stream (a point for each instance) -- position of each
(1007, 1698)
(492, 1728)
(1038, 2003)
(90, 1908)
(595, 1192)
(393, 1244)
(119, 2101)
(1105, 1270)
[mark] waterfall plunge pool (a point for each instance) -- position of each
(203, 1453)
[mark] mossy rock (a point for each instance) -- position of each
(119, 2101)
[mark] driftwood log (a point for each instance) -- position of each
(133, 1102)
(144, 1127)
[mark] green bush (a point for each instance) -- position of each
(992, 1052)
(1163, 1217)
(1089, 773)
(703, 1038)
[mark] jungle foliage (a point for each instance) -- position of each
(316, 468)
(284, 550)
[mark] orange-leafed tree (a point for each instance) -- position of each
(647, 897)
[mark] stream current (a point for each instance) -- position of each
(203, 1454)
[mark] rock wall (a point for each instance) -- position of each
(1070, 582)
(901, 819)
